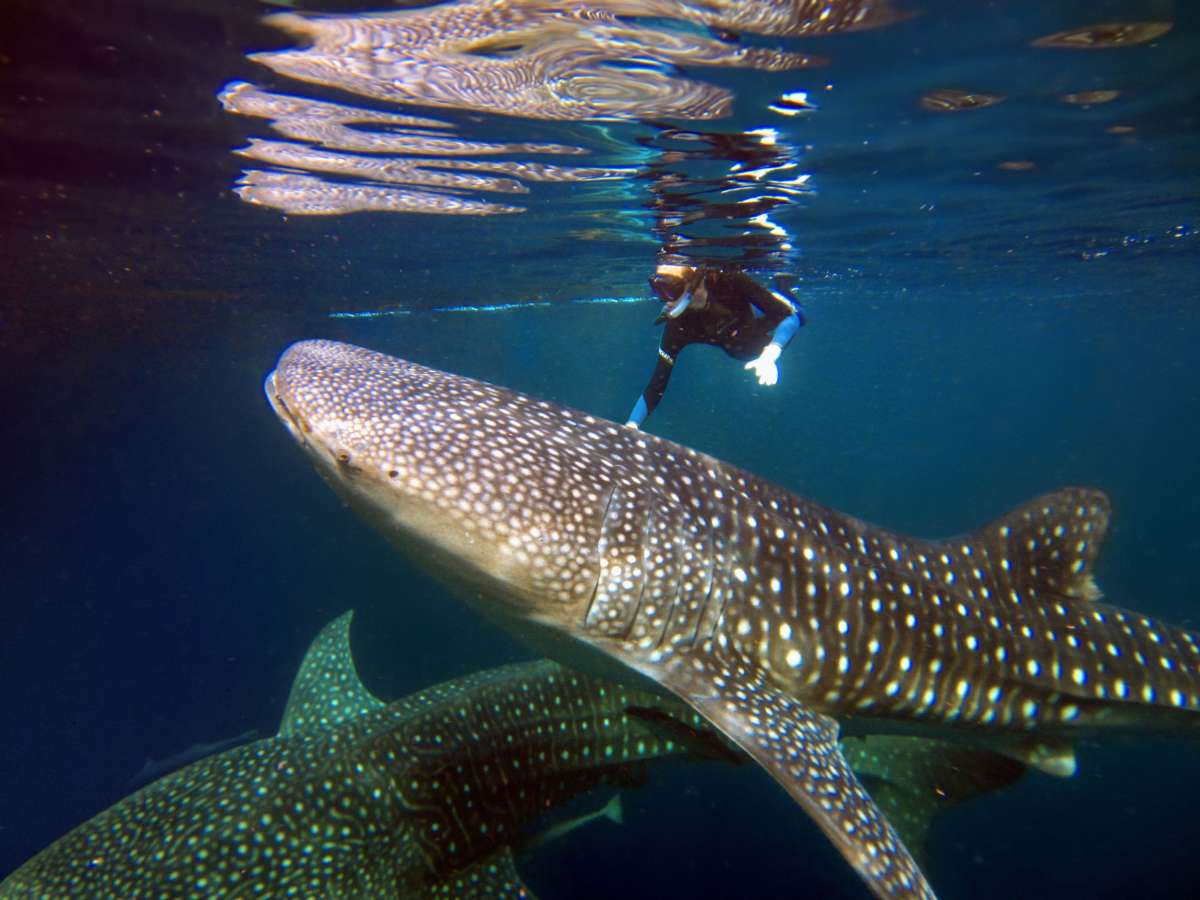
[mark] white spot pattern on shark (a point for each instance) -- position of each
(774, 616)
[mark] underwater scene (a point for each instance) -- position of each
(635, 448)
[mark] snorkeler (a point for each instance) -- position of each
(724, 307)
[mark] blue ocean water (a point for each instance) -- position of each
(977, 334)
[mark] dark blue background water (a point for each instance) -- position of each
(168, 553)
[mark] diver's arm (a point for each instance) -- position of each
(786, 330)
(777, 305)
(638, 415)
(654, 390)
(764, 366)
(674, 338)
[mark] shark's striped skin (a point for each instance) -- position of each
(420, 798)
(775, 617)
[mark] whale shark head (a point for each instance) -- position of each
(498, 490)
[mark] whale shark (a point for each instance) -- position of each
(428, 796)
(779, 620)
(424, 797)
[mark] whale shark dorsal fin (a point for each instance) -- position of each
(1046, 546)
(799, 747)
(327, 690)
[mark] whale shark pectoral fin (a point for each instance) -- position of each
(799, 747)
(492, 878)
(327, 690)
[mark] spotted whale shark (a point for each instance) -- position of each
(428, 796)
(779, 620)
(425, 797)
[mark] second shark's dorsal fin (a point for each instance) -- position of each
(327, 690)
(1048, 544)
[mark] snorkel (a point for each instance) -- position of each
(674, 311)
(666, 275)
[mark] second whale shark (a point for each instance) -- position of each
(425, 797)
(779, 620)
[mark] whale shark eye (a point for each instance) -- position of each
(343, 461)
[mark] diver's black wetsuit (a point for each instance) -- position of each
(727, 320)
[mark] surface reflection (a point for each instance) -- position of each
(324, 136)
(536, 60)
(1101, 37)
(950, 100)
(713, 195)
(616, 60)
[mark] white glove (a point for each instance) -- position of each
(764, 367)
(632, 424)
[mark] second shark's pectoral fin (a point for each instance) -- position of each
(493, 878)
(327, 690)
(799, 747)
(702, 743)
